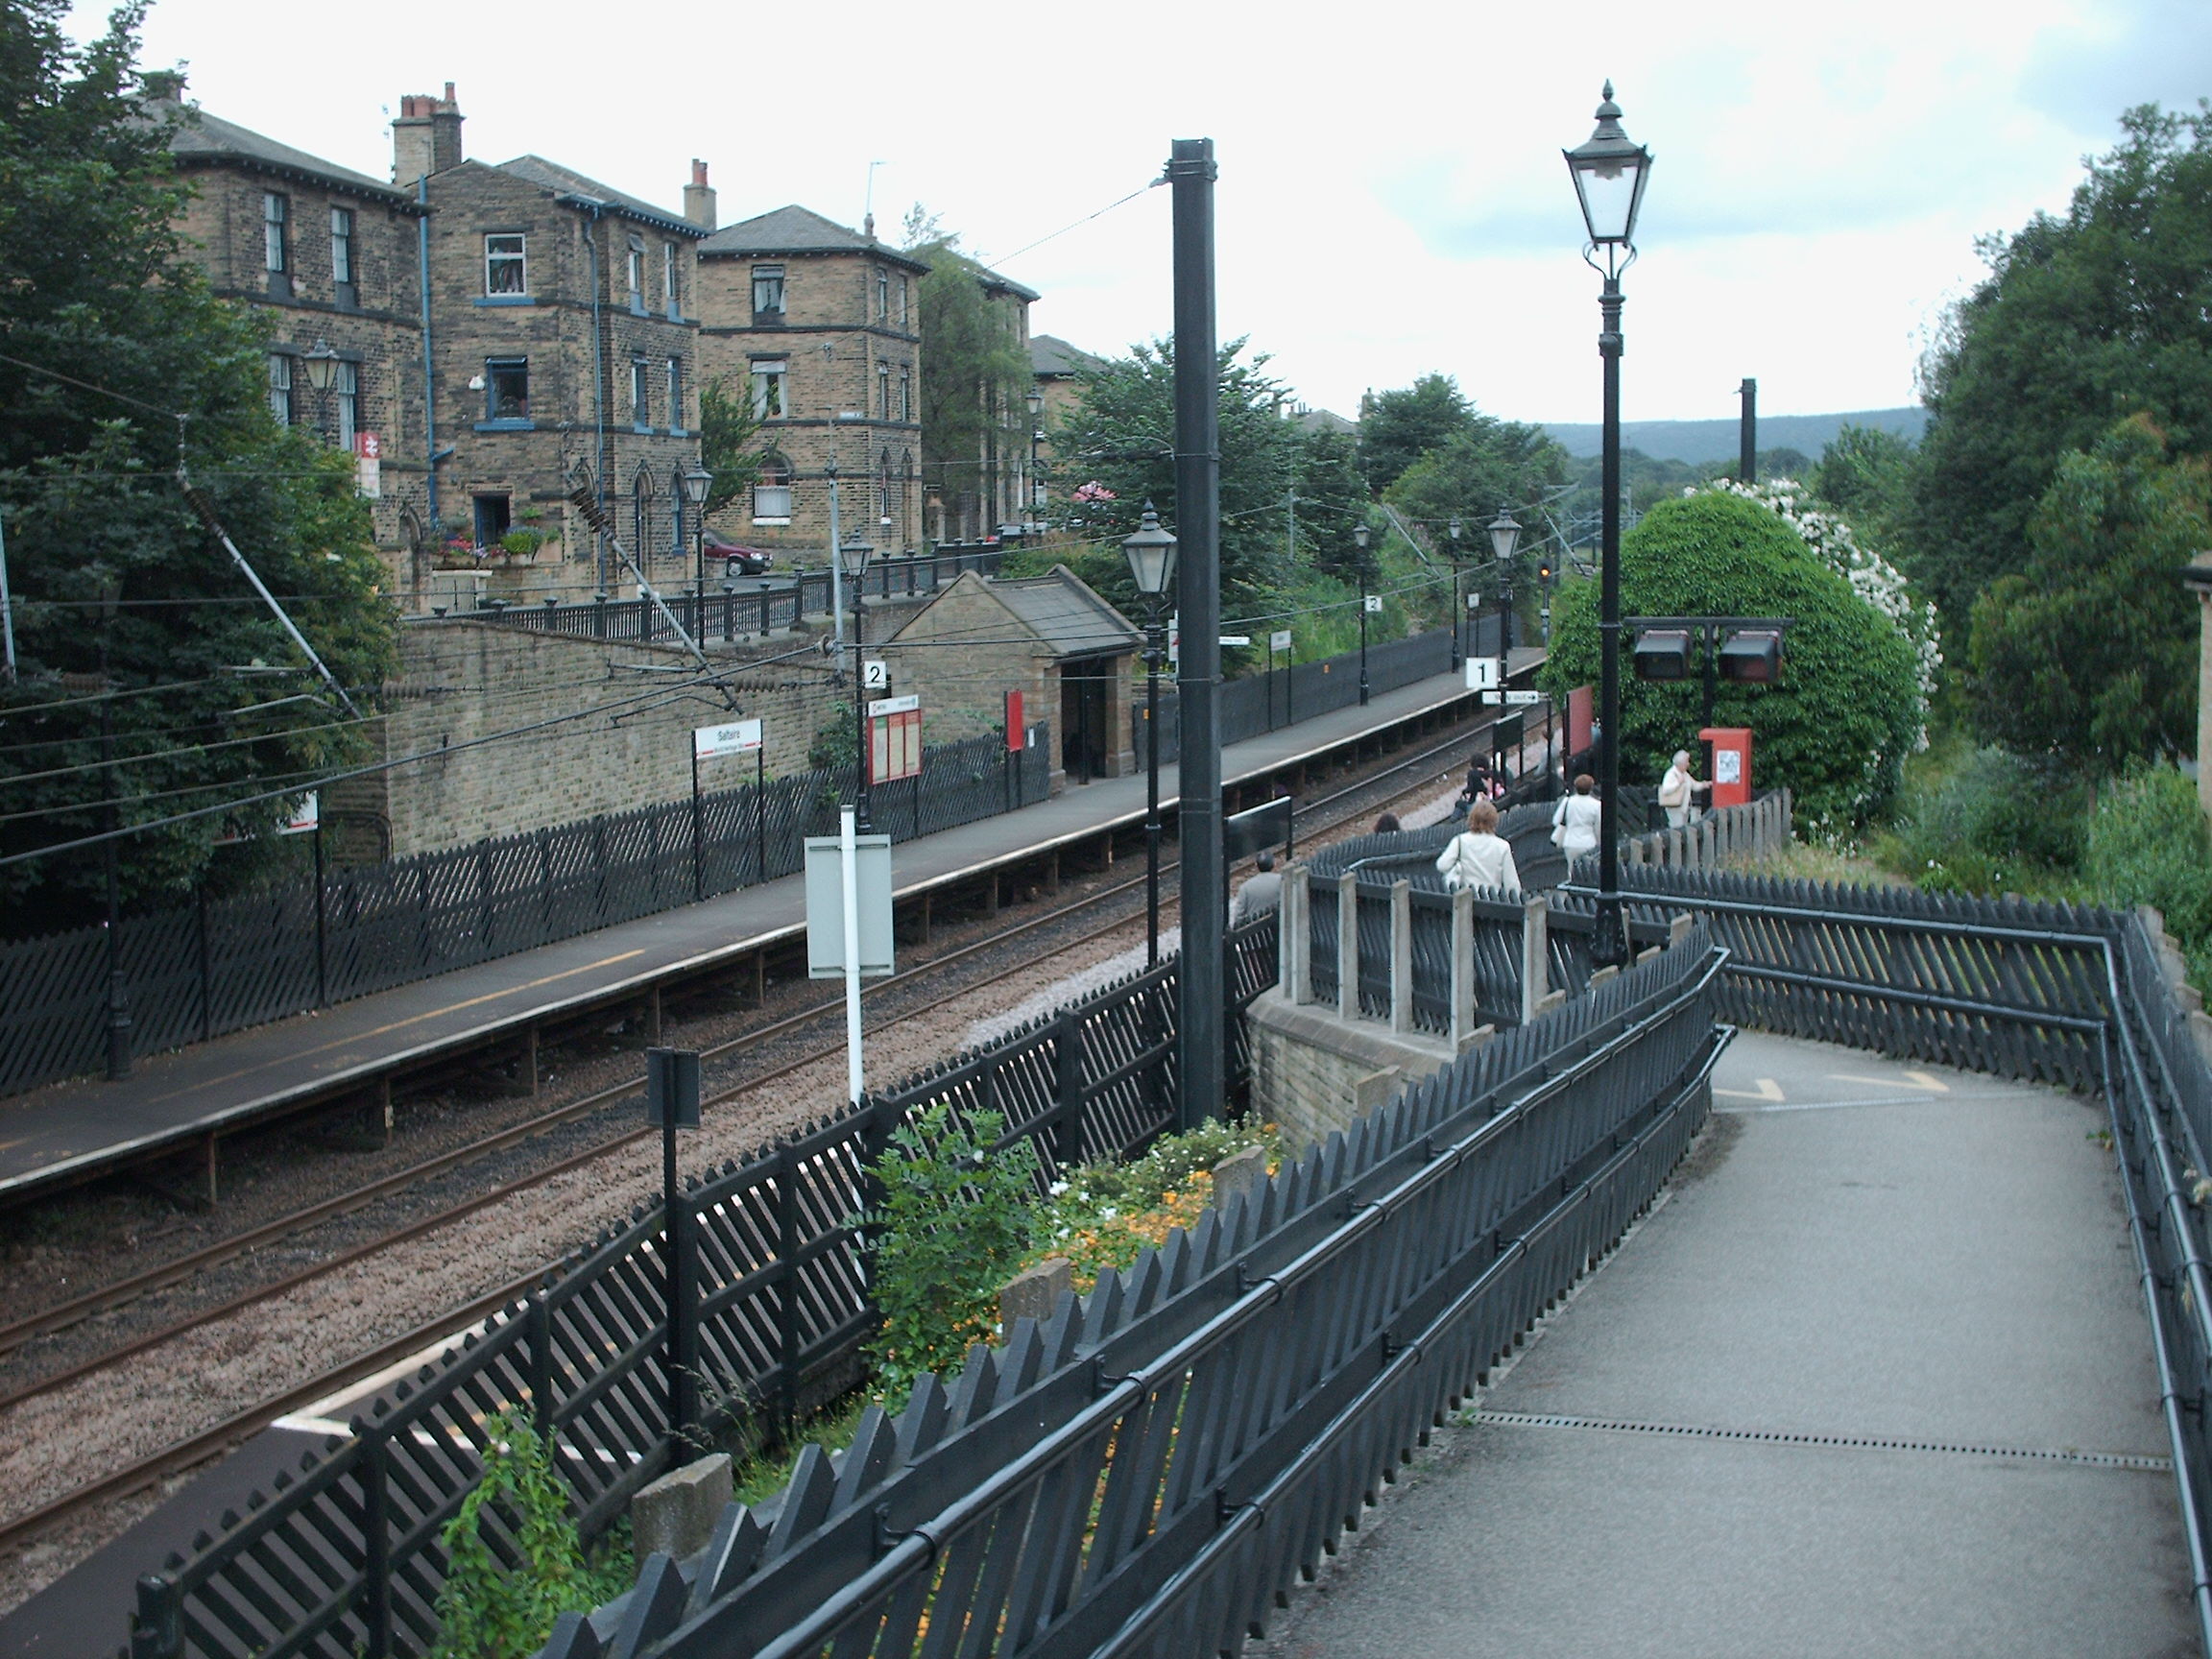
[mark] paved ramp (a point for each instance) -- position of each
(1873, 1380)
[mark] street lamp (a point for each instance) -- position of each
(1457, 528)
(1036, 401)
(1504, 536)
(1361, 536)
(1151, 553)
(697, 481)
(1609, 172)
(321, 362)
(857, 552)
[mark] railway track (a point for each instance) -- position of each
(1321, 817)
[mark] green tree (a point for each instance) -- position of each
(2091, 652)
(1838, 727)
(1867, 475)
(729, 444)
(1117, 442)
(975, 372)
(1399, 427)
(1331, 498)
(108, 561)
(2082, 319)
(1485, 466)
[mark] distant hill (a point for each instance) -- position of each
(1695, 441)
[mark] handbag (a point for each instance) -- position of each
(1559, 825)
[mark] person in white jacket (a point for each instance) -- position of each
(1478, 857)
(1678, 791)
(1575, 821)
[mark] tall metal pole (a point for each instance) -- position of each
(1200, 990)
(1367, 582)
(118, 997)
(1155, 653)
(860, 712)
(1608, 944)
(1747, 437)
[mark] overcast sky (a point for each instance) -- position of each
(1391, 199)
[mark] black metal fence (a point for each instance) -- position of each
(1144, 1472)
(734, 607)
(197, 972)
(345, 1560)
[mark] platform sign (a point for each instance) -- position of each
(368, 465)
(1278, 641)
(875, 675)
(826, 906)
(1015, 735)
(672, 1088)
(894, 739)
(1512, 699)
(737, 737)
(1481, 673)
(1373, 602)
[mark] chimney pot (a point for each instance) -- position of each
(699, 197)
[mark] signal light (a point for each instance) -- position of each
(1544, 571)
(1663, 654)
(1752, 657)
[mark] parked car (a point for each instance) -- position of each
(737, 561)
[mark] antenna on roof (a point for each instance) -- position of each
(868, 209)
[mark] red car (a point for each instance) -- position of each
(737, 561)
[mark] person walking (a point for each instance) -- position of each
(1478, 857)
(1678, 790)
(1575, 821)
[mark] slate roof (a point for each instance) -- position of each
(1050, 355)
(567, 181)
(1065, 616)
(797, 229)
(992, 279)
(211, 139)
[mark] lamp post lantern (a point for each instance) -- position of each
(1036, 504)
(322, 365)
(1610, 171)
(855, 555)
(1361, 536)
(1151, 555)
(697, 481)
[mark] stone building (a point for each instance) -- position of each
(330, 256)
(819, 326)
(1051, 637)
(565, 339)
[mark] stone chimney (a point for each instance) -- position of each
(427, 138)
(699, 197)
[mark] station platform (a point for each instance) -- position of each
(177, 1105)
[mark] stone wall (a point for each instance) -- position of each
(461, 681)
(1314, 1075)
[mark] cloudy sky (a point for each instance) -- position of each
(1391, 199)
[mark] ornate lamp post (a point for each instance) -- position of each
(1609, 172)
(1036, 402)
(1151, 554)
(1504, 536)
(697, 481)
(856, 555)
(1456, 529)
(1361, 536)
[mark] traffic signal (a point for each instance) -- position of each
(1752, 657)
(1544, 571)
(1662, 654)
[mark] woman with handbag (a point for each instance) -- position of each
(1479, 857)
(1575, 821)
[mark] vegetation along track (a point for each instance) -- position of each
(1344, 807)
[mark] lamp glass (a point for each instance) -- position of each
(1036, 402)
(1609, 172)
(1505, 534)
(697, 481)
(857, 552)
(1360, 537)
(322, 366)
(1151, 555)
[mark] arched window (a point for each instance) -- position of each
(642, 516)
(906, 536)
(679, 532)
(885, 487)
(772, 494)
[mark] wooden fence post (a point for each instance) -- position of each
(376, 1543)
(787, 1303)
(539, 1339)
(1348, 945)
(1401, 955)
(1535, 953)
(1067, 1089)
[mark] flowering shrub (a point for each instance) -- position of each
(1873, 577)
(1103, 1216)
(1093, 490)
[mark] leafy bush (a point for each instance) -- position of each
(1994, 822)
(2148, 846)
(1848, 710)
(958, 1211)
(488, 1610)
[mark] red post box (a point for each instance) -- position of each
(1729, 748)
